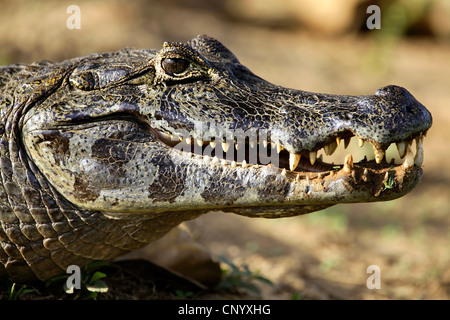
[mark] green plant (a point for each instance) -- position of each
(91, 282)
(14, 293)
(240, 279)
(389, 182)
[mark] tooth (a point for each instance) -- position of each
(348, 163)
(409, 158)
(188, 140)
(401, 147)
(252, 143)
(347, 142)
(206, 158)
(164, 136)
(297, 178)
(200, 143)
(338, 141)
(212, 144)
(215, 160)
(283, 172)
(331, 148)
(379, 155)
(294, 158)
(312, 157)
(279, 148)
(181, 138)
(224, 162)
(233, 164)
(418, 159)
(244, 164)
(225, 146)
(360, 142)
(265, 143)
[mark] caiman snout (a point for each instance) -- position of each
(391, 115)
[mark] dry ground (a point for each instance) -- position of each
(323, 255)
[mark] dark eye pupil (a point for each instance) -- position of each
(174, 66)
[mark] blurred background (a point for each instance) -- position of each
(322, 46)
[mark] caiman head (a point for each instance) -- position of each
(190, 129)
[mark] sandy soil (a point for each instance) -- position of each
(323, 255)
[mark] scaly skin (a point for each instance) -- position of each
(92, 165)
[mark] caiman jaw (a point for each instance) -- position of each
(307, 164)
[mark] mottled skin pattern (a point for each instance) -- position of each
(89, 169)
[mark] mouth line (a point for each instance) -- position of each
(248, 154)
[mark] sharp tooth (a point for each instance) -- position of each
(225, 146)
(200, 143)
(252, 143)
(326, 148)
(244, 164)
(233, 164)
(338, 141)
(236, 146)
(409, 158)
(294, 158)
(164, 136)
(347, 142)
(181, 138)
(283, 172)
(215, 160)
(360, 142)
(348, 163)
(379, 155)
(264, 143)
(332, 147)
(279, 148)
(224, 162)
(212, 144)
(312, 157)
(401, 147)
(418, 159)
(188, 140)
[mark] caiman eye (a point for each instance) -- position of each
(175, 66)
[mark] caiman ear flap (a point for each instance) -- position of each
(211, 47)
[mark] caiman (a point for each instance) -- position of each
(105, 153)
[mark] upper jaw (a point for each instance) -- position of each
(390, 117)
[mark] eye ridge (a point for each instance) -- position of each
(175, 66)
